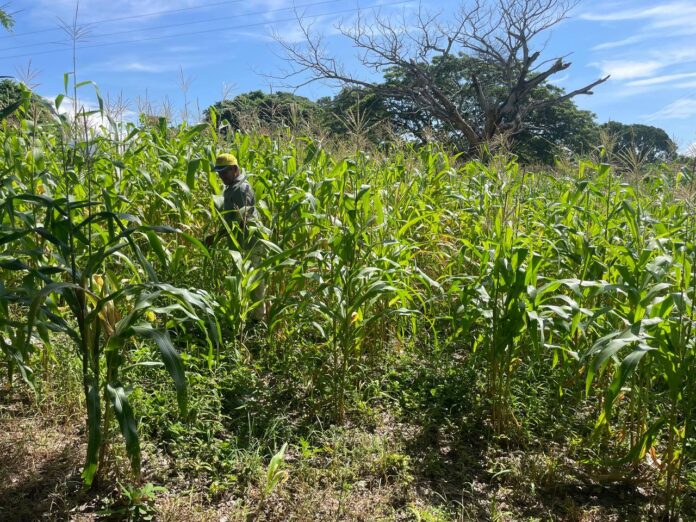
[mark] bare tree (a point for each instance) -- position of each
(498, 34)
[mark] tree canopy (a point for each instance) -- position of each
(10, 93)
(555, 129)
(643, 142)
(13, 95)
(548, 128)
(252, 108)
(358, 112)
(494, 43)
(367, 113)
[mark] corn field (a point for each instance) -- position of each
(574, 280)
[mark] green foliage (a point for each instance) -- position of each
(452, 74)
(249, 110)
(357, 114)
(6, 19)
(10, 93)
(558, 128)
(136, 503)
(644, 142)
(14, 95)
(75, 289)
(372, 116)
(275, 474)
(450, 288)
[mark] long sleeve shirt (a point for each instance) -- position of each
(238, 207)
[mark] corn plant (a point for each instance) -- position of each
(575, 272)
(64, 247)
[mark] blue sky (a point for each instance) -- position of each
(154, 50)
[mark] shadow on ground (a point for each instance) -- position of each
(469, 475)
(39, 466)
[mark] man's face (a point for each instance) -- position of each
(228, 174)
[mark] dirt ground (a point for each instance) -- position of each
(40, 464)
(394, 472)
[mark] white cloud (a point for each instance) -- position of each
(148, 63)
(658, 13)
(327, 25)
(67, 105)
(621, 43)
(96, 10)
(181, 49)
(628, 69)
(684, 20)
(677, 110)
(69, 108)
(661, 79)
(141, 67)
(676, 54)
(660, 26)
(654, 67)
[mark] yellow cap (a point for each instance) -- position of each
(225, 160)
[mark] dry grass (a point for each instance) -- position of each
(389, 471)
(40, 468)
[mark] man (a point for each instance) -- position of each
(239, 213)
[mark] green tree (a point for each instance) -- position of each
(499, 38)
(13, 94)
(642, 142)
(272, 110)
(356, 112)
(555, 129)
(545, 130)
(10, 93)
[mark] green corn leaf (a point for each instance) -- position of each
(10, 109)
(126, 422)
(157, 247)
(191, 169)
(93, 433)
(627, 368)
(85, 82)
(170, 358)
(42, 295)
(197, 243)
